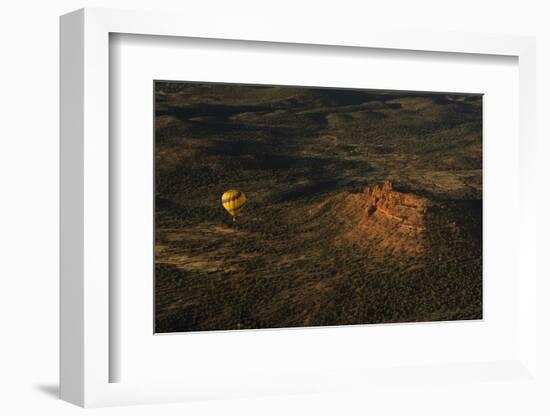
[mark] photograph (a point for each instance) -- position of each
(300, 206)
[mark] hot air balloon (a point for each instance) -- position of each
(233, 201)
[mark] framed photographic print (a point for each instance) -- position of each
(285, 206)
(282, 213)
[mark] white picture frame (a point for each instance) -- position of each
(85, 164)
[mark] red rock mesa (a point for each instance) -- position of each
(383, 221)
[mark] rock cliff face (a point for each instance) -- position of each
(406, 212)
(387, 222)
(392, 221)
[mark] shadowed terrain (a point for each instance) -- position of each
(362, 207)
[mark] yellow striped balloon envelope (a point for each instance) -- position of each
(233, 201)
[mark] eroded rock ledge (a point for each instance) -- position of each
(384, 221)
(405, 211)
